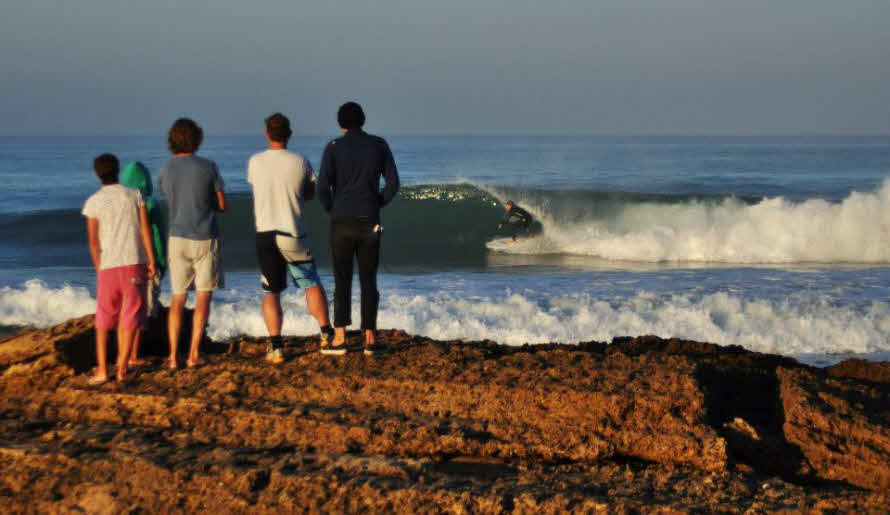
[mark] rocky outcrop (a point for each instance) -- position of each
(842, 427)
(640, 424)
(871, 371)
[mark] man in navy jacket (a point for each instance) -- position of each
(349, 189)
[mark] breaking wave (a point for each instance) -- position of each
(794, 326)
(449, 225)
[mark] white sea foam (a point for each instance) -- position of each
(804, 325)
(39, 305)
(798, 326)
(775, 230)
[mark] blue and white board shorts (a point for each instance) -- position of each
(280, 254)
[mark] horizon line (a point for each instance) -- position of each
(402, 133)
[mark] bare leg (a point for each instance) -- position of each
(370, 337)
(272, 313)
(317, 304)
(174, 324)
(101, 356)
(124, 346)
(134, 354)
(199, 321)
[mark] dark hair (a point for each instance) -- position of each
(509, 203)
(278, 128)
(184, 137)
(350, 116)
(107, 168)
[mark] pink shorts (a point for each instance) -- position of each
(120, 295)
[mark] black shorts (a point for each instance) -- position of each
(274, 267)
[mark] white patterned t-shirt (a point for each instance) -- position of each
(117, 209)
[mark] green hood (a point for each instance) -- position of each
(136, 175)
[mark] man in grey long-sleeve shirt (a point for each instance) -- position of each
(349, 189)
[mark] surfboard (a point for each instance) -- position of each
(500, 244)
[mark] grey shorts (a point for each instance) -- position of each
(194, 263)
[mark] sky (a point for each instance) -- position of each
(96, 67)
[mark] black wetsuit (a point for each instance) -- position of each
(523, 218)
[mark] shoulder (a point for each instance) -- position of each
(133, 195)
(375, 138)
(94, 198)
(378, 141)
(299, 159)
(204, 163)
(256, 158)
(333, 143)
(165, 168)
(131, 192)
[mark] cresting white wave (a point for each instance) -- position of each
(805, 325)
(775, 230)
(36, 304)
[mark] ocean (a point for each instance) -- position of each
(777, 244)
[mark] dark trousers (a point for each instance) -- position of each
(354, 238)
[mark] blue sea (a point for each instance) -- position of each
(778, 244)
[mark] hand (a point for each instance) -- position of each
(500, 226)
(152, 270)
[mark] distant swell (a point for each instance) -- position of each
(442, 226)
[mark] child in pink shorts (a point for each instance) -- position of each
(120, 244)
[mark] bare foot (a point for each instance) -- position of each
(195, 363)
(136, 362)
(97, 379)
(172, 364)
(126, 378)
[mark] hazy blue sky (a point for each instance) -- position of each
(448, 66)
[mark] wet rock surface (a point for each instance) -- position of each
(641, 424)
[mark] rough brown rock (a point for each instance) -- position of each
(640, 424)
(875, 372)
(841, 426)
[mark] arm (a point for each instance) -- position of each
(218, 189)
(220, 204)
(506, 219)
(159, 231)
(145, 233)
(93, 241)
(309, 182)
(391, 175)
(308, 189)
(524, 216)
(326, 179)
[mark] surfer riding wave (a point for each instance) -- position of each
(523, 223)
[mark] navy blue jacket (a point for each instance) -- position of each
(349, 182)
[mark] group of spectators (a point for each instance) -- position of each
(131, 246)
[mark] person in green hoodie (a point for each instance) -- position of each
(136, 176)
